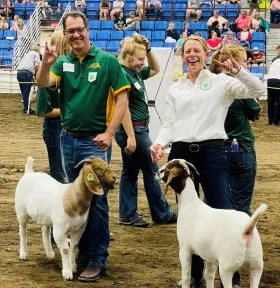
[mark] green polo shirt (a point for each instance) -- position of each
(137, 99)
(46, 100)
(237, 121)
(87, 89)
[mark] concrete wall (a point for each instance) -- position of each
(8, 82)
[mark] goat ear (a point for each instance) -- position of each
(92, 180)
(169, 177)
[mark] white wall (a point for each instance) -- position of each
(8, 82)
(157, 87)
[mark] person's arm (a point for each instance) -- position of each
(129, 131)
(129, 21)
(54, 113)
(252, 108)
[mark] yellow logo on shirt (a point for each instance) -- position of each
(94, 65)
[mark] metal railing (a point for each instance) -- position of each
(29, 35)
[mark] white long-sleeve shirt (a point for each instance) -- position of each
(196, 112)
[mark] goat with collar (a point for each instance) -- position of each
(224, 238)
(64, 206)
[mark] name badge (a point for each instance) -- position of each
(205, 85)
(92, 76)
(68, 67)
(137, 85)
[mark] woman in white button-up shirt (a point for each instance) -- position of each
(196, 108)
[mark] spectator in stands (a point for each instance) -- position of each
(186, 29)
(243, 20)
(47, 106)
(258, 57)
(80, 5)
(219, 2)
(118, 6)
(172, 32)
(27, 69)
(132, 23)
(214, 43)
(20, 27)
(229, 39)
(6, 6)
(4, 24)
(140, 9)
(216, 17)
(44, 9)
(249, 55)
(104, 9)
(277, 52)
(194, 8)
(214, 27)
(180, 42)
(155, 7)
(245, 35)
(274, 10)
(120, 22)
(198, 34)
(15, 23)
(58, 12)
(254, 5)
(134, 140)
(273, 99)
(256, 24)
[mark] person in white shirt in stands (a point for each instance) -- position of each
(196, 108)
(216, 17)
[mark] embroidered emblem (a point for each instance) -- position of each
(92, 76)
(205, 85)
(94, 65)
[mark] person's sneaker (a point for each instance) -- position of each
(173, 219)
(139, 222)
(237, 285)
(31, 112)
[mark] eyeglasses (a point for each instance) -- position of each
(79, 30)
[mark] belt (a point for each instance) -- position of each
(140, 123)
(199, 146)
(81, 134)
(22, 70)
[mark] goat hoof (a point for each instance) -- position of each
(23, 256)
(67, 275)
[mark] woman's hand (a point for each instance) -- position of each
(157, 152)
(131, 145)
(230, 65)
(146, 42)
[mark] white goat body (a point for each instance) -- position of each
(63, 206)
(224, 238)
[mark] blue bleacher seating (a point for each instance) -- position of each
(29, 9)
(7, 59)
(103, 35)
(221, 8)
(92, 10)
(207, 11)
(94, 24)
(100, 44)
(232, 11)
(158, 36)
(147, 34)
(180, 11)
(107, 25)
(201, 26)
(147, 25)
(156, 44)
(161, 25)
(204, 34)
(92, 35)
(191, 26)
(113, 46)
(260, 45)
(177, 25)
(4, 45)
(9, 34)
(117, 35)
(166, 13)
(128, 7)
(128, 33)
(258, 69)
(12, 44)
(258, 37)
(19, 9)
(169, 44)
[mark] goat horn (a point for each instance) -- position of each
(83, 162)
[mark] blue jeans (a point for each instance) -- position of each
(132, 164)
(133, 26)
(94, 242)
(25, 76)
(51, 136)
(242, 167)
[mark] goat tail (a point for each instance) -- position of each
(29, 165)
(249, 228)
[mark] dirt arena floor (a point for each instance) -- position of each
(138, 257)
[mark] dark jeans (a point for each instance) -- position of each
(210, 161)
(94, 243)
(273, 101)
(25, 76)
(132, 164)
(273, 15)
(51, 135)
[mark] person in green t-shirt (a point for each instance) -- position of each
(93, 101)
(242, 165)
(48, 106)
(134, 141)
(278, 53)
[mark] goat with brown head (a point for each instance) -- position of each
(176, 173)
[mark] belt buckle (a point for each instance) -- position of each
(194, 147)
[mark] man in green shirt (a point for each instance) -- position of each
(93, 101)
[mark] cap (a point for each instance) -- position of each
(256, 49)
(216, 11)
